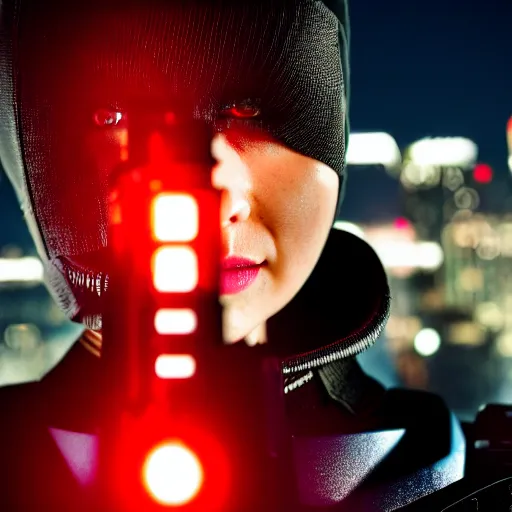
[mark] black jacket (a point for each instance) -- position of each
(335, 404)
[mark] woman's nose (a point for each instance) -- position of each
(231, 176)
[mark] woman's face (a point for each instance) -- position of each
(277, 207)
(282, 59)
(276, 212)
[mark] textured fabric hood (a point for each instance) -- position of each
(58, 60)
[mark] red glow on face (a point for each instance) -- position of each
(170, 118)
(401, 223)
(482, 173)
(509, 125)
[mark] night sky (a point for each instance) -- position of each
(419, 68)
(428, 68)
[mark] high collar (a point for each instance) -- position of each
(340, 311)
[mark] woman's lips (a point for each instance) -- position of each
(237, 274)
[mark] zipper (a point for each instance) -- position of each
(346, 347)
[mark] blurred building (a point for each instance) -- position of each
(441, 177)
(452, 198)
(448, 256)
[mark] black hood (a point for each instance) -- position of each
(60, 60)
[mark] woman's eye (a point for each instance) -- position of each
(108, 117)
(241, 111)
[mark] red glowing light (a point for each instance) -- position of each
(172, 366)
(173, 474)
(175, 269)
(175, 217)
(401, 223)
(482, 173)
(175, 321)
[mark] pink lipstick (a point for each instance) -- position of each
(238, 274)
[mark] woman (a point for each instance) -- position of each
(272, 79)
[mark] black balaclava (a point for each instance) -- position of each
(61, 61)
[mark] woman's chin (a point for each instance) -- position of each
(236, 327)
(257, 336)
